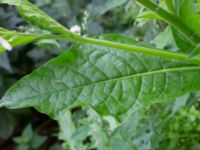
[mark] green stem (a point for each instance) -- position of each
(39, 36)
(119, 46)
(139, 49)
(172, 20)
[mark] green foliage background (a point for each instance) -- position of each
(162, 126)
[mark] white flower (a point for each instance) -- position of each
(5, 44)
(76, 29)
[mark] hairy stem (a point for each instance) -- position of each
(139, 49)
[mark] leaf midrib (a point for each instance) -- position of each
(175, 69)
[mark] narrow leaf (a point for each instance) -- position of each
(18, 39)
(37, 17)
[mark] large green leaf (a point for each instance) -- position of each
(37, 17)
(110, 81)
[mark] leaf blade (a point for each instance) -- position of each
(110, 81)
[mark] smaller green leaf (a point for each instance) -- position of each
(25, 137)
(37, 141)
(20, 140)
(18, 38)
(165, 40)
(37, 17)
(28, 132)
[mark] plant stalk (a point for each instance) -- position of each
(139, 49)
(173, 20)
(119, 46)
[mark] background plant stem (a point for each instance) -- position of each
(172, 20)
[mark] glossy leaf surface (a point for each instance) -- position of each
(110, 81)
